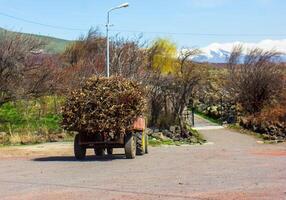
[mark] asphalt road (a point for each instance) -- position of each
(230, 166)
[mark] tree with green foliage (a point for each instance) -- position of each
(163, 56)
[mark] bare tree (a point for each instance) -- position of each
(185, 83)
(87, 56)
(171, 93)
(14, 50)
(42, 75)
(88, 52)
(128, 57)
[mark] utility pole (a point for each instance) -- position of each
(125, 5)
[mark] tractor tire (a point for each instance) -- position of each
(109, 151)
(140, 143)
(99, 151)
(146, 144)
(79, 150)
(130, 146)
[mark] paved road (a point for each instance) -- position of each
(231, 166)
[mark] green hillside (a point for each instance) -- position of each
(54, 45)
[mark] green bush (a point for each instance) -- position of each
(27, 116)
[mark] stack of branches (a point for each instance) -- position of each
(106, 106)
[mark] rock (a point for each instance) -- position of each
(280, 139)
(193, 140)
(173, 129)
(168, 133)
(61, 136)
(158, 135)
(263, 128)
(224, 123)
(254, 128)
(279, 125)
(2, 135)
(272, 128)
(265, 137)
(156, 130)
(53, 138)
(273, 138)
(148, 131)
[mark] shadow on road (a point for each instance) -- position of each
(87, 159)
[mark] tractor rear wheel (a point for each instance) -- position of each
(109, 151)
(99, 151)
(79, 150)
(140, 143)
(146, 143)
(130, 146)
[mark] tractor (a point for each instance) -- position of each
(134, 142)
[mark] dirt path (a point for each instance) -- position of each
(231, 166)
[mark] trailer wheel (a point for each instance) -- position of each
(99, 151)
(130, 146)
(146, 143)
(109, 151)
(79, 150)
(140, 143)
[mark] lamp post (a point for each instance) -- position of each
(125, 5)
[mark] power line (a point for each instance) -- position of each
(146, 32)
(41, 24)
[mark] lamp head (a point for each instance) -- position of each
(124, 5)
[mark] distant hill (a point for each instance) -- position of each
(54, 45)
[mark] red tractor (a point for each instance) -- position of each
(134, 142)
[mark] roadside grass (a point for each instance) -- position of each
(35, 115)
(31, 139)
(264, 138)
(31, 121)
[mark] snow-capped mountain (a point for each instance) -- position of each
(220, 52)
(212, 56)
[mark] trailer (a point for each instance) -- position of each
(134, 142)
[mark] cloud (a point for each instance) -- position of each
(278, 45)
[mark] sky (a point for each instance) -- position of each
(189, 23)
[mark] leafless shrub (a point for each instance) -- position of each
(255, 79)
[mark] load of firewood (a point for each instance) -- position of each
(104, 106)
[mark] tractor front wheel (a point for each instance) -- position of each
(99, 151)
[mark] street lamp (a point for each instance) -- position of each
(124, 5)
